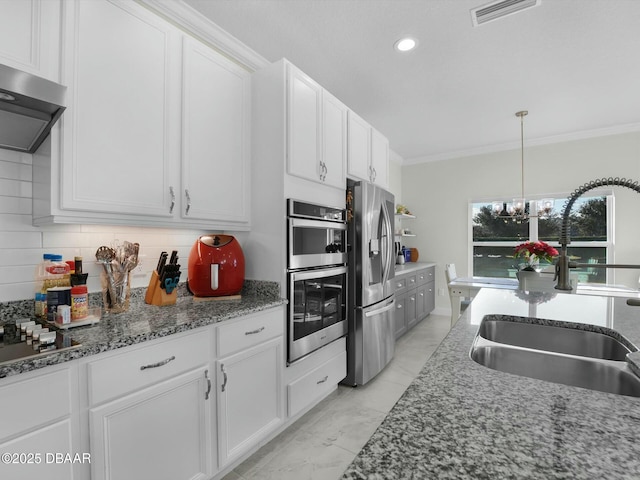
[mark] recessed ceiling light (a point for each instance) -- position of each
(406, 44)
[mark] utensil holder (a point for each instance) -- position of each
(116, 295)
(156, 295)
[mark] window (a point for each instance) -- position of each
(494, 238)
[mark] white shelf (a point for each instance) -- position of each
(404, 215)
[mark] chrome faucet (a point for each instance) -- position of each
(563, 264)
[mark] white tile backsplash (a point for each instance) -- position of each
(22, 245)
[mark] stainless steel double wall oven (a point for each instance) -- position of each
(317, 277)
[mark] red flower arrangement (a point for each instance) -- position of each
(531, 251)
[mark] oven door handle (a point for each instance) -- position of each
(378, 311)
(321, 224)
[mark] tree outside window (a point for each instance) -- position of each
(494, 238)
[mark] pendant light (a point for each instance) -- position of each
(517, 210)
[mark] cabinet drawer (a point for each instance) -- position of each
(316, 383)
(411, 282)
(401, 284)
(21, 403)
(425, 276)
(134, 369)
(250, 331)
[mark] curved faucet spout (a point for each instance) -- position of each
(562, 265)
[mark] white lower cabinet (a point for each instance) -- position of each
(249, 382)
(316, 384)
(150, 410)
(249, 404)
(162, 432)
(40, 423)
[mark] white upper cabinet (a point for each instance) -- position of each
(215, 132)
(157, 126)
(334, 140)
(30, 36)
(316, 131)
(379, 158)
(368, 157)
(304, 102)
(359, 157)
(119, 131)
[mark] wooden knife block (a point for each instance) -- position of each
(156, 295)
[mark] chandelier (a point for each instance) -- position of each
(518, 210)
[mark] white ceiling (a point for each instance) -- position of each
(573, 64)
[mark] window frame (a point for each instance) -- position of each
(608, 245)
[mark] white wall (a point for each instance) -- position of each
(22, 245)
(438, 193)
(395, 175)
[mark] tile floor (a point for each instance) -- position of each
(322, 443)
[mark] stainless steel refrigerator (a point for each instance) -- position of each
(371, 333)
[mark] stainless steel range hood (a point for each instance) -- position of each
(29, 107)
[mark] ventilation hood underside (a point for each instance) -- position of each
(29, 107)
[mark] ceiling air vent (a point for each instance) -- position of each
(499, 9)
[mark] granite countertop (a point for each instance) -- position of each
(461, 420)
(412, 267)
(143, 322)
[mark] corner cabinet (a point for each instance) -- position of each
(30, 37)
(156, 130)
(40, 418)
(368, 152)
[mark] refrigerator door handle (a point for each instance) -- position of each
(386, 243)
(378, 311)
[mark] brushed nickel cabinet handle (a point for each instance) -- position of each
(158, 364)
(224, 381)
(326, 377)
(173, 199)
(253, 332)
(206, 376)
(186, 194)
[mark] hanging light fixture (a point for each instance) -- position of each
(517, 210)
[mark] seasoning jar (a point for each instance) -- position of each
(79, 302)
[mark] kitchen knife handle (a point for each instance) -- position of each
(160, 264)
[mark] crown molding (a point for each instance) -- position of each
(568, 137)
(194, 23)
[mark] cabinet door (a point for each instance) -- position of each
(421, 298)
(379, 159)
(400, 315)
(162, 432)
(38, 459)
(303, 127)
(358, 147)
(249, 397)
(334, 141)
(215, 136)
(411, 308)
(118, 129)
(29, 36)
(429, 298)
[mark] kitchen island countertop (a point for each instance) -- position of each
(461, 420)
(144, 322)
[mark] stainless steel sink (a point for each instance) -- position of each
(559, 354)
(572, 341)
